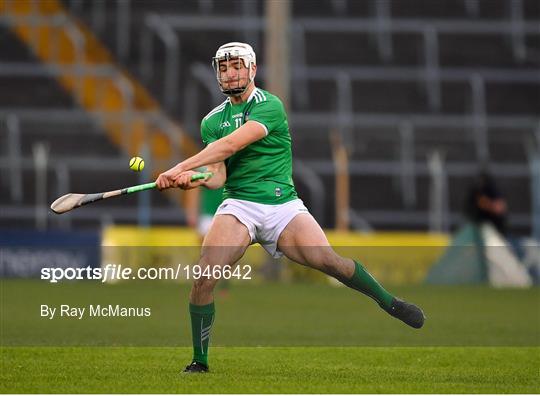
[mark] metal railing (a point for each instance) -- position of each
(405, 168)
(431, 72)
(80, 71)
(429, 29)
(155, 24)
(362, 218)
(40, 163)
(382, 27)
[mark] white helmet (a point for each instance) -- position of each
(235, 50)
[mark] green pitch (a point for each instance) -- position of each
(273, 370)
(297, 338)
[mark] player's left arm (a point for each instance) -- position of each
(216, 152)
(225, 147)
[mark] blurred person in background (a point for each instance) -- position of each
(486, 208)
(200, 211)
(202, 208)
(485, 203)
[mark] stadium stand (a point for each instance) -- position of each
(36, 111)
(423, 93)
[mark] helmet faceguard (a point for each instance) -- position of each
(230, 52)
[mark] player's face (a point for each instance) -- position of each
(233, 74)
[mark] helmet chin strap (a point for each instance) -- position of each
(237, 91)
(234, 91)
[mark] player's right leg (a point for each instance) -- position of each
(224, 244)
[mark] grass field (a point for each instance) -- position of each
(273, 369)
(271, 338)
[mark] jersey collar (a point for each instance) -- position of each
(251, 96)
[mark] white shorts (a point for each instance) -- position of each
(204, 223)
(265, 223)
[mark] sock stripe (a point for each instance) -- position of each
(202, 319)
(202, 349)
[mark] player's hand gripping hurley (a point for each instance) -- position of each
(72, 200)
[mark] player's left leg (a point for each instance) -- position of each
(304, 241)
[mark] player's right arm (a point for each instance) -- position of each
(219, 175)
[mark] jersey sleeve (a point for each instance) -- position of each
(269, 113)
(207, 133)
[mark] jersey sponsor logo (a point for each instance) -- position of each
(225, 124)
(237, 115)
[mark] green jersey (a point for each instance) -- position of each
(262, 171)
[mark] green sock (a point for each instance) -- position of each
(365, 283)
(202, 318)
